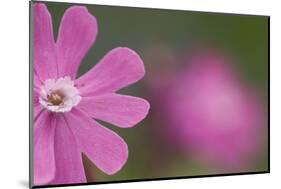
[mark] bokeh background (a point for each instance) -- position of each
(163, 39)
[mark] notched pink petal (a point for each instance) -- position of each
(77, 33)
(121, 110)
(69, 166)
(44, 158)
(36, 80)
(36, 111)
(107, 150)
(37, 108)
(45, 65)
(117, 69)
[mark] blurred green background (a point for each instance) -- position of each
(171, 33)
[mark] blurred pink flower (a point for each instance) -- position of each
(65, 105)
(210, 113)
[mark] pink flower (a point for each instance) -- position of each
(64, 106)
(211, 115)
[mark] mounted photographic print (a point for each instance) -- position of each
(121, 94)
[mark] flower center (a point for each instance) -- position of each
(55, 98)
(59, 95)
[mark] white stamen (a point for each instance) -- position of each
(59, 95)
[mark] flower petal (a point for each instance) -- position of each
(44, 159)
(121, 110)
(36, 81)
(36, 111)
(45, 65)
(105, 148)
(69, 165)
(37, 108)
(77, 33)
(119, 68)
